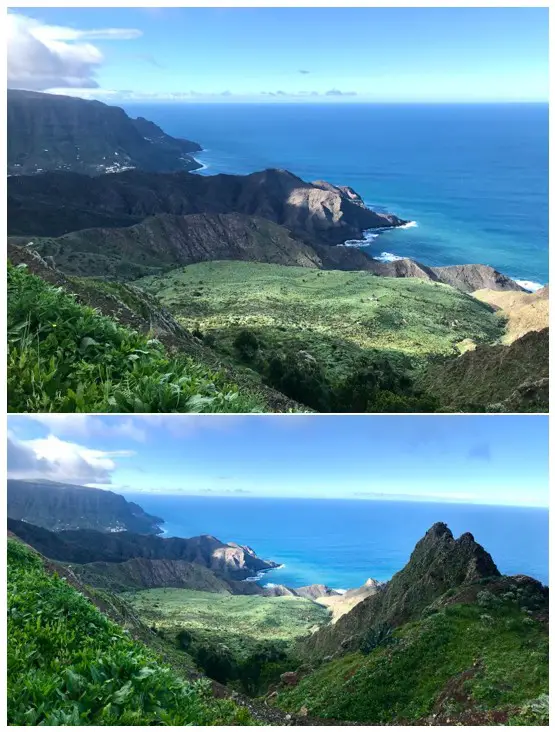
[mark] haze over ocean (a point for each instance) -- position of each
(343, 542)
(474, 177)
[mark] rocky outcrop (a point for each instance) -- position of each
(83, 546)
(59, 506)
(315, 592)
(438, 563)
(53, 204)
(491, 376)
(463, 277)
(55, 132)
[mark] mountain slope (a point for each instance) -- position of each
(59, 506)
(165, 241)
(68, 664)
(506, 378)
(55, 132)
(447, 640)
(131, 371)
(523, 311)
(469, 662)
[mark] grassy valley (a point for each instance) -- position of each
(244, 641)
(345, 341)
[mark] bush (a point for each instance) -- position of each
(301, 378)
(246, 343)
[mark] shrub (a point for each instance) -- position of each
(246, 343)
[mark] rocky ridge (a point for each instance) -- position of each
(438, 563)
(86, 546)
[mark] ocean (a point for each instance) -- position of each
(341, 543)
(472, 178)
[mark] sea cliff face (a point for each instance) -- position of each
(59, 506)
(55, 132)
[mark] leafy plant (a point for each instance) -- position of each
(69, 665)
(66, 357)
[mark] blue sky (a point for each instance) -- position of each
(284, 54)
(499, 459)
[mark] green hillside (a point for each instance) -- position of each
(333, 340)
(67, 357)
(69, 665)
(485, 663)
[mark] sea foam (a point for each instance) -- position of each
(529, 285)
(388, 257)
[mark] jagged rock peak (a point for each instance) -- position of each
(439, 529)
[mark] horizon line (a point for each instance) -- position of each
(384, 499)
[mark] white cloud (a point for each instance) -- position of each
(51, 458)
(43, 57)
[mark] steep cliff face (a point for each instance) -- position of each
(55, 132)
(438, 563)
(59, 506)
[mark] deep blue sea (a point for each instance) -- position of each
(342, 543)
(474, 178)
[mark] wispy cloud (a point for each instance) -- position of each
(339, 93)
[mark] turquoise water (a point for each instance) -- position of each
(343, 542)
(474, 178)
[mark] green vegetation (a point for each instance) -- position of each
(476, 659)
(69, 665)
(242, 640)
(333, 340)
(66, 357)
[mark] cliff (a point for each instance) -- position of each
(438, 563)
(59, 506)
(55, 132)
